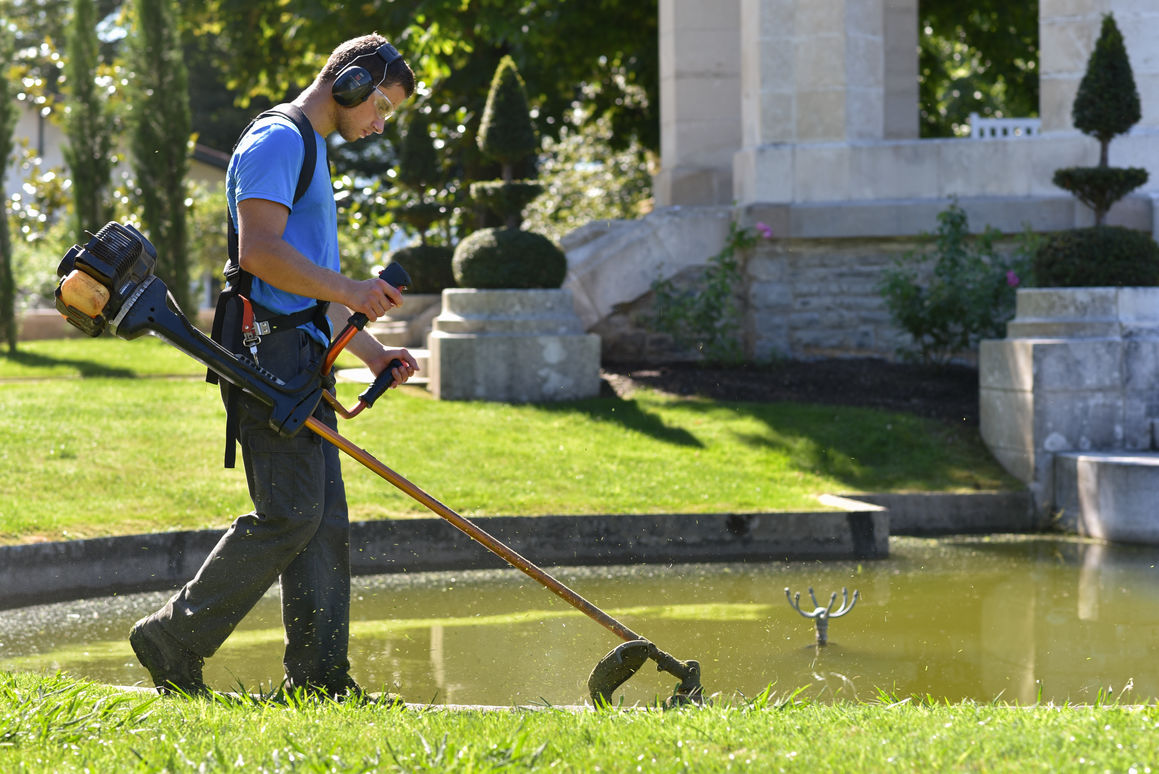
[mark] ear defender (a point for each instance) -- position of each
(354, 84)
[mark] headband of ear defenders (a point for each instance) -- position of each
(354, 84)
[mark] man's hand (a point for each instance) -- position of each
(400, 373)
(373, 297)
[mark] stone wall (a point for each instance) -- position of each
(804, 299)
(811, 291)
(809, 298)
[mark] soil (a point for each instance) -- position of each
(948, 393)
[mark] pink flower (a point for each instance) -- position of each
(765, 229)
(1012, 279)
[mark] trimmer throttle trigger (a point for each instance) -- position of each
(396, 275)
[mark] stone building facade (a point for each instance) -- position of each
(803, 114)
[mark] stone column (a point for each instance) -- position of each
(699, 101)
(832, 72)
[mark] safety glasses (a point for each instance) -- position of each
(383, 105)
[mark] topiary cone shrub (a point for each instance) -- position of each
(1106, 105)
(1101, 256)
(498, 258)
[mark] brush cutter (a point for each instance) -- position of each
(109, 284)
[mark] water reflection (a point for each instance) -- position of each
(1019, 618)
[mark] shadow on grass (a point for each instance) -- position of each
(864, 449)
(86, 369)
(628, 415)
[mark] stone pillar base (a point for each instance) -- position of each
(1075, 373)
(511, 346)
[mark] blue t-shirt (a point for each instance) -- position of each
(265, 165)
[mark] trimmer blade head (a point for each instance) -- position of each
(616, 668)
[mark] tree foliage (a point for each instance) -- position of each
(160, 142)
(1106, 105)
(89, 153)
(1107, 102)
(976, 56)
(506, 133)
(276, 46)
(7, 123)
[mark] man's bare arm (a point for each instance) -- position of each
(265, 254)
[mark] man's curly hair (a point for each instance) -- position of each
(361, 51)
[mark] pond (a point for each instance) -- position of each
(1017, 619)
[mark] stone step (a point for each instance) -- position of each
(364, 376)
(1109, 495)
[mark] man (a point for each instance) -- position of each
(298, 532)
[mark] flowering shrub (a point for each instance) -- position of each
(968, 296)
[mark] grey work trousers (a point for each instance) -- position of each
(298, 533)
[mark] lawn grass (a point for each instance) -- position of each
(105, 437)
(53, 723)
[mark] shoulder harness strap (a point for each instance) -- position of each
(238, 281)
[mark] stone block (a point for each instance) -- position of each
(1064, 313)
(1140, 365)
(1077, 365)
(820, 171)
(1138, 310)
(1006, 364)
(821, 116)
(511, 345)
(1006, 421)
(764, 174)
(1077, 421)
(1109, 495)
(899, 170)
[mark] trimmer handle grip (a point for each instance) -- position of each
(394, 274)
(380, 384)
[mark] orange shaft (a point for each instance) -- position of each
(477, 534)
(335, 348)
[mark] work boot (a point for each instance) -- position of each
(174, 669)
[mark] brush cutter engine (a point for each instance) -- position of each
(118, 259)
(109, 284)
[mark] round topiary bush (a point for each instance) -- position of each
(1097, 257)
(429, 267)
(498, 258)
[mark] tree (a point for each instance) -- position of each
(1106, 105)
(1107, 102)
(507, 257)
(422, 206)
(160, 138)
(976, 56)
(455, 47)
(87, 123)
(7, 123)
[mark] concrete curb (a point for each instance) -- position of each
(928, 515)
(49, 572)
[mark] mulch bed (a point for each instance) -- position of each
(948, 393)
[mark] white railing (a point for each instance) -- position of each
(1003, 128)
